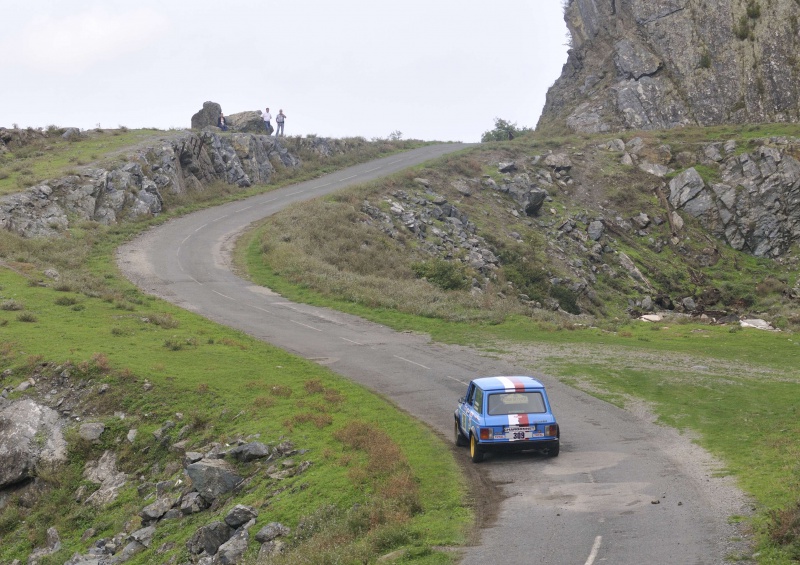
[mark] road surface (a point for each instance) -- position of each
(623, 491)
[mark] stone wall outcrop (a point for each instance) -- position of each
(182, 163)
(639, 64)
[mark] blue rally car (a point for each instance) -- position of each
(506, 414)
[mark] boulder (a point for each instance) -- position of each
(72, 134)
(558, 161)
(91, 431)
(231, 552)
(154, 511)
(30, 435)
(208, 116)
(144, 535)
(104, 472)
(239, 515)
(595, 230)
(271, 531)
(212, 478)
(249, 121)
(209, 538)
(192, 502)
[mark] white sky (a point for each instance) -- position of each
(431, 69)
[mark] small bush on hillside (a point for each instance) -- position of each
(165, 321)
(447, 275)
(503, 131)
(567, 299)
(11, 305)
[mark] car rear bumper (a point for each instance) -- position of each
(515, 446)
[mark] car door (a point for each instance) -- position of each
(466, 408)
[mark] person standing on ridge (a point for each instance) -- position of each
(221, 122)
(279, 120)
(267, 118)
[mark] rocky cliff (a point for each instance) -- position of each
(658, 64)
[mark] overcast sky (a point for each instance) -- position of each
(431, 69)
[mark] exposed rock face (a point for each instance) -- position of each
(640, 64)
(30, 434)
(180, 164)
(104, 472)
(755, 207)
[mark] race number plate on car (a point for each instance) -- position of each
(516, 433)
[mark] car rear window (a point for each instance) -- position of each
(515, 403)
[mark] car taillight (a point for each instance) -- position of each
(552, 430)
(486, 433)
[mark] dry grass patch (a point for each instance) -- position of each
(319, 420)
(283, 391)
(11, 305)
(262, 402)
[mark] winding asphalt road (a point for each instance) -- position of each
(623, 491)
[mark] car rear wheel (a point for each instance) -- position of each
(474, 450)
(460, 440)
(552, 451)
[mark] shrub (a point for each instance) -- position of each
(567, 299)
(742, 29)
(447, 275)
(165, 321)
(503, 131)
(11, 305)
(27, 317)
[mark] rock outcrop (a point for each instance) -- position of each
(250, 121)
(30, 436)
(183, 163)
(639, 64)
(755, 206)
(208, 116)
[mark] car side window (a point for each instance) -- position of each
(470, 394)
(478, 400)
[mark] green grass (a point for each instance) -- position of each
(53, 157)
(222, 381)
(101, 330)
(734, 389)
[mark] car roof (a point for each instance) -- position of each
(507, 384)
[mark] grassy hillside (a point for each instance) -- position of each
(376, 480)
(732, 388)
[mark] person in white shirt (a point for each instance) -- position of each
(267, 119)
